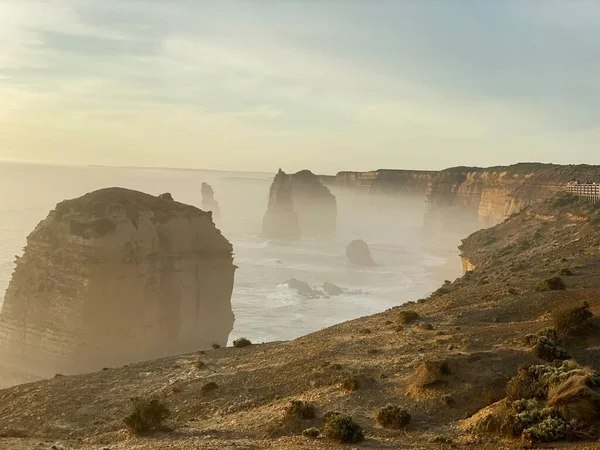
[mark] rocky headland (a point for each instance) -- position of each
(114, 277)
(478, 364)
(468, 198)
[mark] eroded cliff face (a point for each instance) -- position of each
(315, 205)
(280, 220)
(465, 198)
(385, 181)
(114, 277)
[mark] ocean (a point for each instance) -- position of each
(412, 263)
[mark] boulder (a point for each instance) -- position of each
(303, 288)
(332, 289)
(281, 221)
(166, 196)
(114, 277)
(358, 253)
(208, 200)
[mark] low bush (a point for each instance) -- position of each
(448, 400)
(549, 350)
(351, 383)
(544, 344)
(209, 387)
(409, 316)
(311, 433)
(563, 199)
(552, 284)
(298, 409)
(343, 429)
(566, 272)
(394, 417)
(241, 342)
(570, 321)
(216, 346)
(148, 414)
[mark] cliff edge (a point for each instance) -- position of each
(114, 277)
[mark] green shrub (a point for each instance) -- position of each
(409, 316)
(241, 342)
(342, 428)
(148, 414)
(548, 332)
(571, 321)
(549, 350)
(391, 416)
(300, 410)
(552, 284)
(311, 433)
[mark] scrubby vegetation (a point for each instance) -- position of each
(209, 387)
(394, 417)
(554, 402)
(298, 409)
(148, 414)
(409, 316)
(572, 321)
(343, 429)
(552, 284)
(563, 199)
(351, 383)
(311, 433)
(545, 344)
(216, 346)
(241, 342)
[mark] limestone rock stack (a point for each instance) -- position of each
(113, 277)
(281, 221)
(208, 200)
(315, 205)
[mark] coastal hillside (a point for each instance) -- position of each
(452, 366)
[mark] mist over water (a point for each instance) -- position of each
(413, 264)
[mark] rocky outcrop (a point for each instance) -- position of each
(208, 200)
(332, 289)
(166, 196)
(358, 253)
(113, 277)
(280, 220)
(303, 288)
(315, 205)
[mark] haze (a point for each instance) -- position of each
(325, 85)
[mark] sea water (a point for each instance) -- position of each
(412, 263)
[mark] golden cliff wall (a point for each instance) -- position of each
(114, 277)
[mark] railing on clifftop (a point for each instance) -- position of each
(589, 191)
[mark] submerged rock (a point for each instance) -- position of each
(208, 200)
(358, 253)
(303, 288)
(332, 289)
(114, 277)
(281, 221)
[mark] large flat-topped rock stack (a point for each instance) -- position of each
(113, 277)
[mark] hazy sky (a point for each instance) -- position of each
(328, 84)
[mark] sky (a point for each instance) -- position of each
(328, 85)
